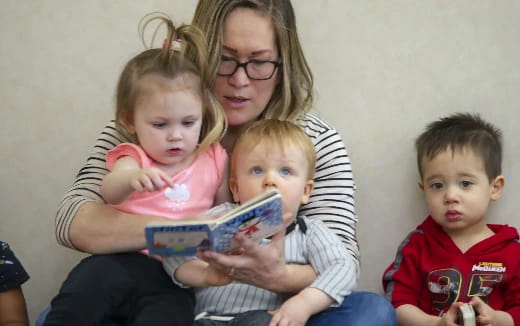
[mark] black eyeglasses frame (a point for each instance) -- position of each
(244, 65)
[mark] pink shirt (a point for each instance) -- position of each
(195, 186)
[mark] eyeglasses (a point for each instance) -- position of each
(255, 69)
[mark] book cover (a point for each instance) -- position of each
(258, 218)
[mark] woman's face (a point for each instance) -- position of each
(248, 35)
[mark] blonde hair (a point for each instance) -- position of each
(293, 94)
(171, 62)
(275, 134)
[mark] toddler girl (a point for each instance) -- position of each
(172, 166)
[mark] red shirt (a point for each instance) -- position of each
(430, 272)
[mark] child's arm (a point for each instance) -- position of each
(194, 272)
(410, 315)
(403, 283)
(127, 176)
(299, 308)
(198, 273)
(13, 311)
(336, 271)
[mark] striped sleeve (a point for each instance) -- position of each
(87, 183)
(337, 275)
(171, 263)
(332, 200)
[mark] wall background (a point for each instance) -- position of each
(383, 70)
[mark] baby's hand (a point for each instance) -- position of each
(292, 313)
(149, 179)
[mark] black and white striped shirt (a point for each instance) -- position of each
(332, 200)
(317, 246)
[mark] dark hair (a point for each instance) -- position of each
(462, 131)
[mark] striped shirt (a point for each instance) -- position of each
(336, 272)
(332, 200)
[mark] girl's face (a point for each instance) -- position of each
(248, 35)
(167, 119)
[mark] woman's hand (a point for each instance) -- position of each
(262, 266)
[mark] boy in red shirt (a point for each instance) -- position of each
(454, 256)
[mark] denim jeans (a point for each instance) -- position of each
(360, 308)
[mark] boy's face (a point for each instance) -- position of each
(264, 168)
(458, 191)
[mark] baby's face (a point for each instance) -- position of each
(265, 168)
(457, 189)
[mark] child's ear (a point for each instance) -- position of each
(234, 189)
(496, 187)
(421, 185)
(309, 186)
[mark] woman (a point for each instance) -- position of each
(259, 71)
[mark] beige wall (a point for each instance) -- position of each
(383, 70)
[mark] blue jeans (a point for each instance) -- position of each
(360, 308)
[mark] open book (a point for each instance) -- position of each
(258, 218)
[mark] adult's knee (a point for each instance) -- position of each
(94, 273)
(375, 307)
(167, 309)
